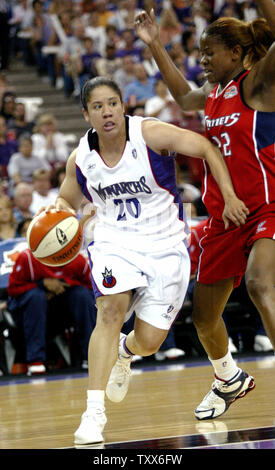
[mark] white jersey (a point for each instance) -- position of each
(137, 202)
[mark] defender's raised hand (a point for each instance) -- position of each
(146, 27)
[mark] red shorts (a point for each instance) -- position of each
(225, 252)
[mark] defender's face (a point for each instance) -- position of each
(217, 60)
(105, 111)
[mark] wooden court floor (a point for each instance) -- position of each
(43, 413)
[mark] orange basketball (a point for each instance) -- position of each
(55, 238)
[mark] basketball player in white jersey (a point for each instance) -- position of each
(139, 259)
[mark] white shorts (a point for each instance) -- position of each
(159, 280)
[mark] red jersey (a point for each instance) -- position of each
(27, 271)
(246, 139)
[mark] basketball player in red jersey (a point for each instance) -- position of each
(239, 102)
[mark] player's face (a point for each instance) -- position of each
(105, 111)
(217, 60)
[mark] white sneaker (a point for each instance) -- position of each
(172, 353)
(91, 427)
(223, 394)
(262, 344)
(118, 384)
(36, 368)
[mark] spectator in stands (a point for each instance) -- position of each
(202, 17)
(162, 105)
(24, 163)
(112, 36)
(177, 53)
(229, 8)
(58, 7)
(149, 62)
(70, 50)
(86, 61)
(21, 27)
(128, 45)
(54, 64)
(141, 89)
(125, 14)
(42, 31)
(248, 11)
(7, 148)
(97, 32)
(194, 71)
(8, 225)
(45, 300)
(125, 74)
(109, 64)
(104, 14)
(22, 199)
(183, 10)
(48, 143)
(19, 124)
(170, 28)
(43, 194)
(8, 106)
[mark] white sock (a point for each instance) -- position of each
(96, 399)
(225, 367)
(123, 350)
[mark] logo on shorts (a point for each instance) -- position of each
(165, 315)
(108, 279)
(61, 236)
(261, 227)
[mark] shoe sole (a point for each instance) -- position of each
(88, 443)
(242, 394)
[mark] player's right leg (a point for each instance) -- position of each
(230, 382)
(102, 355)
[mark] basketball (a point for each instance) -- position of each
(55, 238)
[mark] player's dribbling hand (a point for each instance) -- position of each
(58, 206)
(234, 211)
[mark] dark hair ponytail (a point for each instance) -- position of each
(262, 39)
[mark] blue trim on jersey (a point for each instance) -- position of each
(96, 290)
(163, 168)
(265, 129)
(82, 181)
